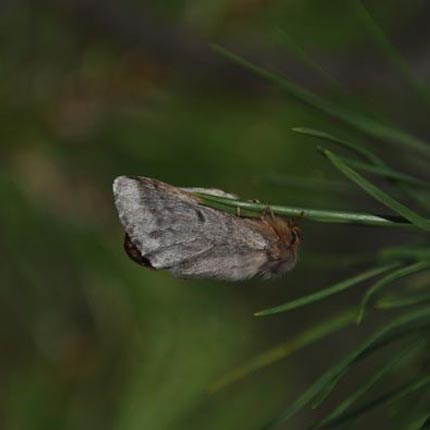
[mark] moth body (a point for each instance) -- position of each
(166, 228)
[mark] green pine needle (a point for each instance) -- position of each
(360, 122)
(392, 363)
(394, 395)
(391, 53)
(388, 279)
(396, 301)
(329, 291)
(377, 193)
(252, 209)
(405, 325)
(360, 150)
(285, 349)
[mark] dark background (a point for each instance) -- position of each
(93, 89)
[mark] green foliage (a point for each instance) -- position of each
(404, 326)
(360, 122)
(329, 291)
(391, 53)
(378, 194)
(394, 276)
(98, 89)
(283, 350)
(334, 416)
(394, 265)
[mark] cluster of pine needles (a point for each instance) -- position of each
(406, 335)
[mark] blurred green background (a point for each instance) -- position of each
(94, 89)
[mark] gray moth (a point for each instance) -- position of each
(166, 228)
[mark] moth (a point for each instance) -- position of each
(166, 228)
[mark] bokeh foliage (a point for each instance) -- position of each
(91, 90)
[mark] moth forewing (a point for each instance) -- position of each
(167, 229)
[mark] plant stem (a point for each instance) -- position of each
(253, 209)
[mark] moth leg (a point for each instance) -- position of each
(238, 211)
(295, 230)
(296, 233)
(267, 209)
(272, 214)
(294, 222)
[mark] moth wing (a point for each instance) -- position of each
(173, 232)
(223, 263)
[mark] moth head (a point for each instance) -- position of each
(288, 231)
(284, 251)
